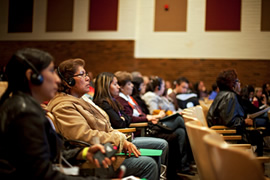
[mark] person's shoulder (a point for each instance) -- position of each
(227, 94)
(172, 94)
(63, 100)
(148, 94)
(120, 99)
(21, 101)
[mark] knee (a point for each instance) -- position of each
(164, 144)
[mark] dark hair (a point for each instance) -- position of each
(214, 87)
(264, 88)
(66, 71)
(180, 80)
(226, 79)
(102, 91)
(17, 66)
(245, 91)
(137, 81)
(154, 82)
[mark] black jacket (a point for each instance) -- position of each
(29, 145)
(115, 117)
(226, 110)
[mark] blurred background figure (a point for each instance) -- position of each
(214, 91)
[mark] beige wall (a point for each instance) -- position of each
(136, 18)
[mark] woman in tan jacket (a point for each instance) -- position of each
(78, 119)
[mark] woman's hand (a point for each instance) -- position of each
(152, 118)
(249, 122)
(95, 148)
(131, 148)
(161, 114)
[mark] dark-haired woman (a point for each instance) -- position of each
(29, 145)
(227, 110)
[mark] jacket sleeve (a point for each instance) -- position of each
(115, 119)
(73, 123)
(129, 111)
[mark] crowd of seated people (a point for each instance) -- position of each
(77, 117)
(115, 101)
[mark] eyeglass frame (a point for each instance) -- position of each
(85, 74)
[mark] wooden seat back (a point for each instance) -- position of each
(195, 133)
(230, 162)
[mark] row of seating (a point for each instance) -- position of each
(215, 158)
(197, 111)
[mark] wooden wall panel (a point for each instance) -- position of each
(103, 15)
(112, 56)
(59, 15)
(20, 16)
(223, 15)
(170, 15)
(265, 15)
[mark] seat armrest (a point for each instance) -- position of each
(263, 159)
(216, 127)
(143, 124)
(242, 146)
(126, 130)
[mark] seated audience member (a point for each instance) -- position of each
(261, 120)
(130, 106)
(266, 91)
(154, 91)
(138, 91)
(180, 96)
(200, 90)
(106, 93)
(214, 91)
(259, 98)
(226, 109)
(80, 119)
(153, 99)
(29, 145)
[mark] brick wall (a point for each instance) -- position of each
(119, 55)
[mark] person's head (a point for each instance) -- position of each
(136, 74)
(215, 87)
(75, 80)
(146, 79)
(258, 92)
(247, 92)
(181, 85)
(156, 85)
(124, 80)
(227, 80)
(31, 71)
(106, 86)
(139, 86)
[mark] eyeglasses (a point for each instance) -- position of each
(85, 74)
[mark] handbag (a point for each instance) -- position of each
(160, 127)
